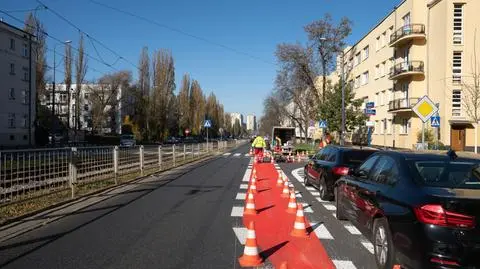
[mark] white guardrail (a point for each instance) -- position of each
(26, 174)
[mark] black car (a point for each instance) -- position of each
(420, 210)
(329, 164)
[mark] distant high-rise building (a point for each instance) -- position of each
(251, 123)
(236, 116)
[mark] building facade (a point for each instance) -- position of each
(420, 48)
(237, 116)
(99, 106)
(251, 123)
(17, 76)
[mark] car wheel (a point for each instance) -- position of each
(306, 182)
(322, 187)
(383, 244)
(339, 212)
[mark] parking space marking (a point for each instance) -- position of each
(241, 196)
(241, 234)
(237, 211)
(243, 186)
(321, 231)
(344, 264)
(352, 229)
(330, 207)
(367, 245)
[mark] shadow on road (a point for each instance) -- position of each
(269, 252)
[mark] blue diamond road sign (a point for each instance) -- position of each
(322, 124)
(435, 121)
(207, 124)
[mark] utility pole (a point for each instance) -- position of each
(342, 138)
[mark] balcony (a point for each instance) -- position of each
(402, 104)
(411, 69)
(406, 33)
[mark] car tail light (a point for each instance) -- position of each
(436, 215)
(340, 170)
(444, 262)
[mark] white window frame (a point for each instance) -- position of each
(389, 126)
(377, 44)
(457, 62)
(458, 13)
(24, 97)
(377, 71)
(457, 106)
(377, 99)
(383, 39)
(405, 126)
(382, 69)
(366, 52)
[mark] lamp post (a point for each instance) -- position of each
(54, 73)
(342, 134)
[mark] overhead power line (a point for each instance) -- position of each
(88, 36)
(173, 29)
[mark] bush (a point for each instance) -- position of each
(309, 148)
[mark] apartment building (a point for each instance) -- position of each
(251, 123)
(17, 76)
(237, 116)
(90, 95)
(420, 48)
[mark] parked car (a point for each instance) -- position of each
(127, 140)
(420, 210)
(329, 164)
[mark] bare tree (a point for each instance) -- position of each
(272, 114)
(197, 107)
(80, 73)
(35, 27)
(471, 87)
(184, 103)
(68, 77)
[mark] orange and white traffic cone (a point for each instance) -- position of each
(254, 172)
(279, 180)
(285, 191)
(250, 255)
(250, 205)
(292, 204)
(299, 228)
(272, 160)
(253, 186)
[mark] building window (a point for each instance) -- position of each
(389, 127)
(12, 44)
(382, 69)
(85, 107)
(389, 33)
(377, 44)
(63, 97)
(382, 39)
(11, 94)
(458, 24)
(376, 99)
(366, 52)
(382, 127)
(382, 98)
(457, 67)
(456, 103)
(365, 78)
(25, 50)
(24, 97)
(12, 69)
(357, 82)
(25, 76)
(357, 59)
(377, 71)
(25, 121)
(12, 137)
(389, 95)
(404, 127)
(377, 126)
(86, 96)
(11, 120)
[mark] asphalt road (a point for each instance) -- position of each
(179, 221)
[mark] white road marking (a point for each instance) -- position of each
(237, 211)
(247, 155)
(236, 155)
(311, 189)
(307, 208)
(322, 201)
(367, 245)
(330, 207)
(227, 154)
(344, 264)
(295, 174)
(241, 234)
(321, 231)
(315, 193)
(298, 195)
(352, 229)
(243, 186)
(241, 196)
(334, 215)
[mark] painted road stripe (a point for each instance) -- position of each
(236, 155)
(315, 193)
(367, 245)
(344, 264)
(352, 229)
(243, 186)
(247, 155)
(307, 208)
(241, 196)
(322, 201)
(227, 154)
(241, 234)
(321, 231)
(330, 207)
(237, 211)
(298, 195)
(311, 189)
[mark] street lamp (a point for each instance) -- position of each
(342, 134)
(54, 73)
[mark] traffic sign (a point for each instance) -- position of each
(435, 121)
(322, 124)
(370, 112)
(370, 105)
(425, 108)
(207, 124)
(370, 123)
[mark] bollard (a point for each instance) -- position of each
(159, 158)
(141, 159)
(173, 155)
(72, 167)
(115, 164)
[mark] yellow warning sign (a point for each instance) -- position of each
(425, 108)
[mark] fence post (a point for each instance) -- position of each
(184, 152)
(159, 158)
(198, 150)
(173, 155)
(141, 159)
(72, 167)
(115, 164)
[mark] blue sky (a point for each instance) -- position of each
(249, 26)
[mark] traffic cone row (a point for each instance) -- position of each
(280, 180)
(299, 227)
(250, 256)
(250, 205)
(285, 191)
(292, 203)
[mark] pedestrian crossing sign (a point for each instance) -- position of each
(322, 124)
(207, 124)
(435, 121)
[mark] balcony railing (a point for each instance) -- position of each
(411, 67)
(402, 103)
(409, 30)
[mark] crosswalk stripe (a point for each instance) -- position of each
(367, 245)
(307, 208)
(243, 186)
(226, 154)
(236, 155)
(247, 155)
(322, 201)
(241, 196)
(344, 264)
(352, 229)
(315, 193)
(237, 211)
(330, 207)
(321, 231)
(241, 234)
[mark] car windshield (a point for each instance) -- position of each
(127, 137)
(355, 157)
(447, 174)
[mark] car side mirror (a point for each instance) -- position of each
(360, 174)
